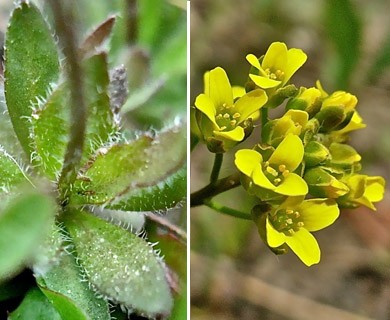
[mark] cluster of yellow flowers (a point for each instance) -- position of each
(302, 171)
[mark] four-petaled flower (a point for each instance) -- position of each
(277, 67)
(221, 117)
(275, 174)
(292, 222)
(364, 190)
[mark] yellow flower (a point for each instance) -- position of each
(292, 222)
(364, 190)
(337, 109)
(275, 174)
(277, 67)
(221, 119)
(307, 99)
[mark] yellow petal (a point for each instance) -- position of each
(298, 116)
(220, 90)
(275, 57)
(250, 103)
(204, 104)
(260, 179)
(206, 81)
(252, 59)
(305, 246)
(264, 82)
(318, 213)
(238, 91)
(289, 152)
(274, 237)
(375, 188)
(296, 58)
(246, 160)
(237, 134)
(293, 185)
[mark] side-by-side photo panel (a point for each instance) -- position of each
(93, 160)
(289, 160)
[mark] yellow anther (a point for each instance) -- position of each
(218, 116)
(272, 171)
(277, 181)
(279, 73)
(266, 163)
(285, 173)
(289, 221)
(296, 214)
(282, 167)
(291, 231)
(236, 115)
(226, 116)
(289, 211)
(300, 224)
(222, 128)
(233, 122)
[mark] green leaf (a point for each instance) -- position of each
(65, 307)
(31, 67)
(164, 195)
(23, 226)
(11, 173)
(35, 306)
(120, 265)
(123, 168)
(64, 286)
(51, 122)
(344, 29)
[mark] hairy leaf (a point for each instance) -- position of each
(31, 67)
(11, 172)
(63, 283)
(119, 264)
(137, 165)
(51, 122)
(165, 194)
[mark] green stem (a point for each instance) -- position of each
(131, 20)
(216, 167)
(199, 197)
(228, 211)
(264, 117)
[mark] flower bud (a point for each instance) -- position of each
(308, 100)
(315, 154)
(324, 185)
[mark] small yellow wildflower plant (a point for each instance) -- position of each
(302, 171)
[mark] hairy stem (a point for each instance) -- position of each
(199, 197)
(64, 24)
(228, 211)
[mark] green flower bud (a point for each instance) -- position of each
(322, 184)
(308, 100)
(315, 154)
(343, 155)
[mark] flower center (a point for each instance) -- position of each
(226, 119)
(287, 221)
(275, 175)
(274, 75)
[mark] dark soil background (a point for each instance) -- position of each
(233, 274)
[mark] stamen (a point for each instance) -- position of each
(272, 171)
(236, 115)
(285, 173)
(300, 224)
(282, 168)
(289, 221)
(226, 116)
(291, 231)
(277, 181)
(289, 211)
(222, 128)
(219, 116)
(233, 122)
(296, 214)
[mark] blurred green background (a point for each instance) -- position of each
(233, 275)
